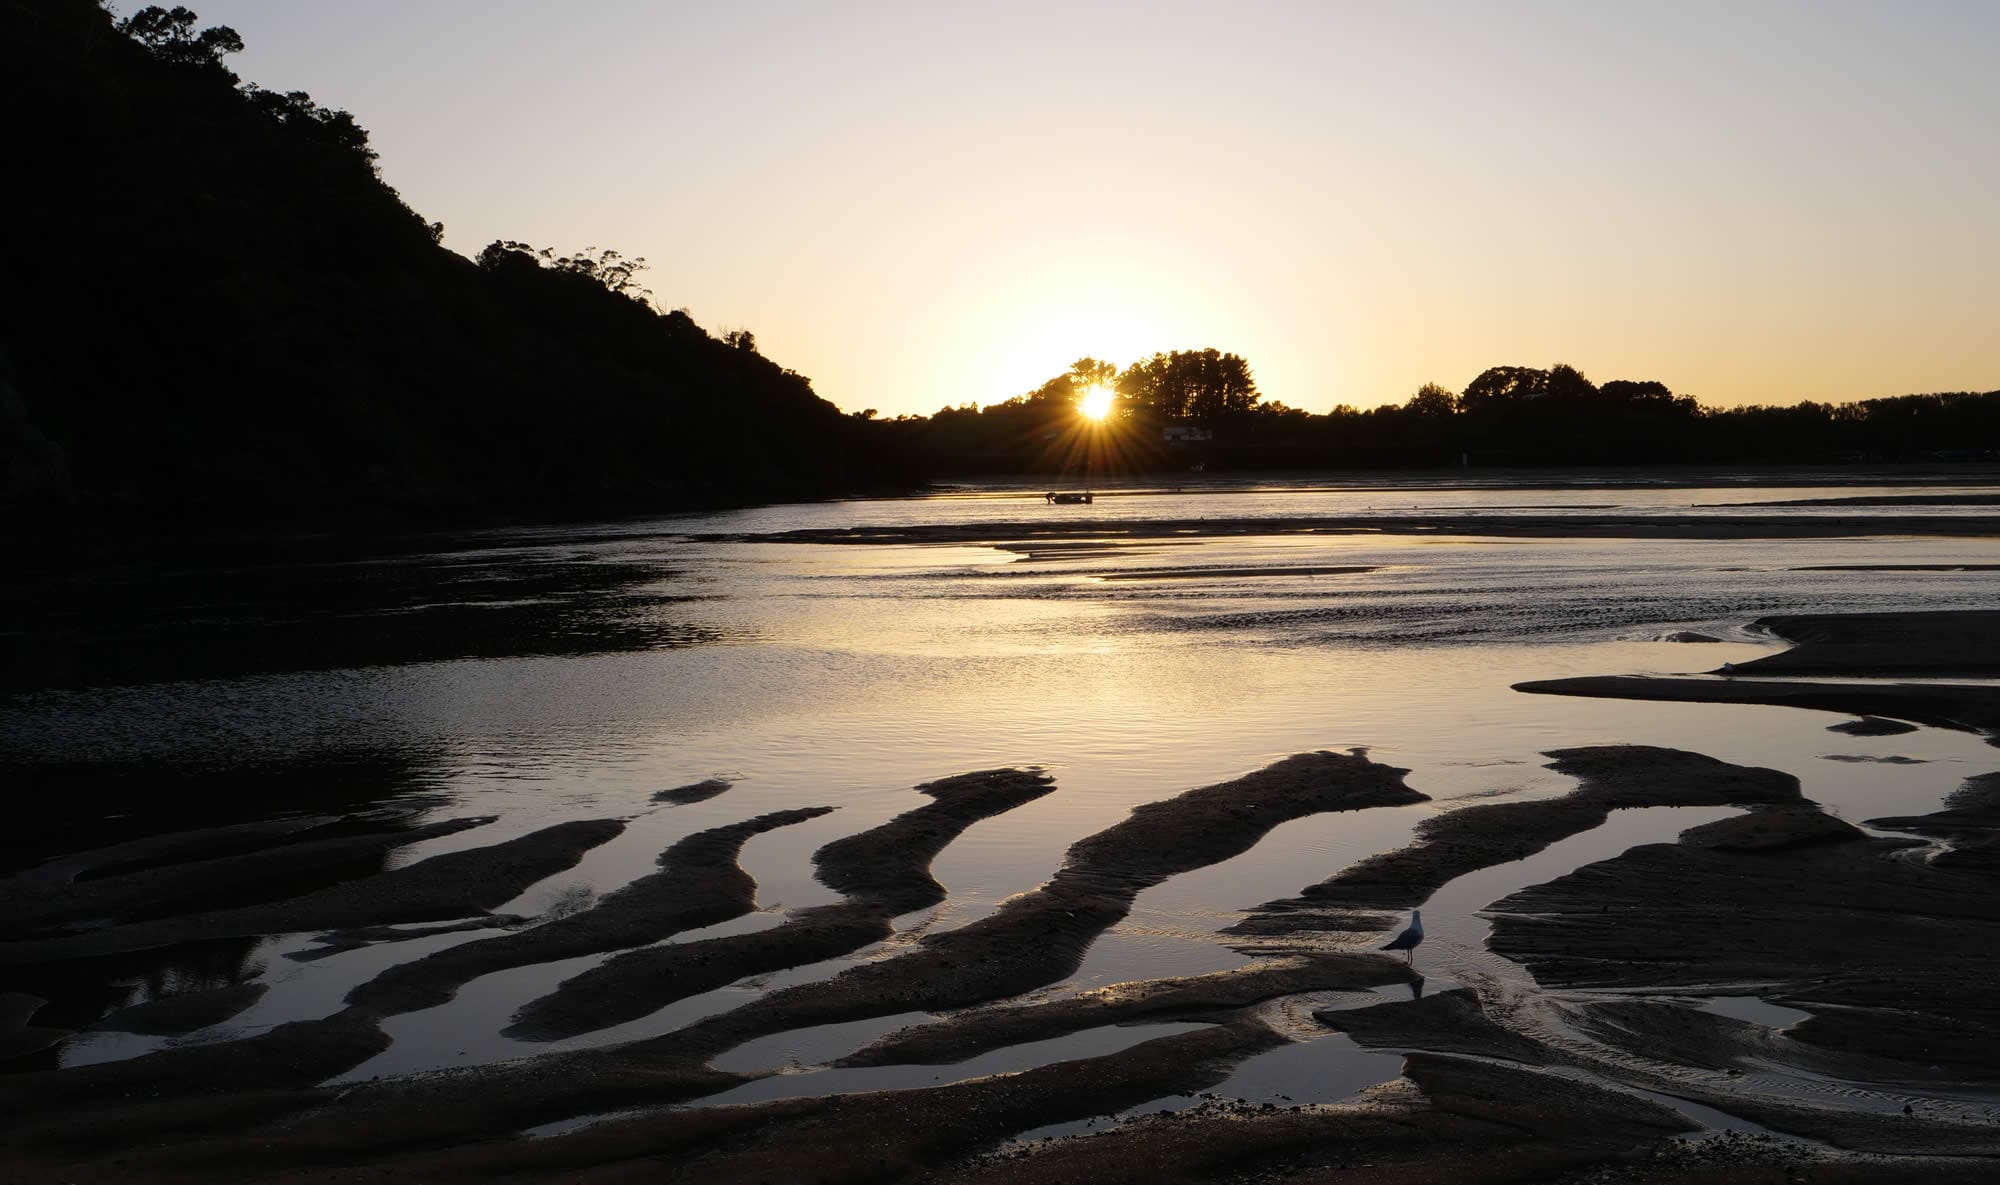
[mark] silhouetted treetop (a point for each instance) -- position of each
(1567, 382)
(1066, 389)
(604, 267)
(1562, 382)
(1500, 384)
(1199, 385)
(296, 110)
(170, 35)
(1087, 372)
(1432, 399)
(1632, 392)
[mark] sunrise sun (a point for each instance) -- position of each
(1096, 402)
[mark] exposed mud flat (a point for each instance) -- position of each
(131, 889)
(1461, 1120)
(884, 872)
(1963, 642)
(452, 885)
(1672, 1050)
(1475, 837)
(175, 1016)
(699, 884)
(1586, 1072)
(1872, 726)
(1891, 955)
(18, 1037)
(174, 1103)
(1039, 937)
(174, 847)
(694, 792)
(1888, 947)
(974, 1031)
(1968, 707)
(1970, 813)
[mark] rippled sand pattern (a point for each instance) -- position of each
(1140, 911)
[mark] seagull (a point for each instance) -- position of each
(1407, 941)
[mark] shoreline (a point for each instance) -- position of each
(1497, 524)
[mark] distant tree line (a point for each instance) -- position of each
(1529, 416)
(1200, 386)
(1507, 415)
(1042, 431)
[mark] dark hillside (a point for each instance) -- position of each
(211, 304)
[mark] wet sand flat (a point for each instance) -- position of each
(1584, 1060)
(1963, 642)
(699, 885)
(1942, 705)
(453, 885)
(1481, 836)
(186, 885)
(883, 872)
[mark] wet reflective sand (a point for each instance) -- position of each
(674, 679)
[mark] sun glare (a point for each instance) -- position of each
(1096, 402)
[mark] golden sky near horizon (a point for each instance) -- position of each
(923, 205)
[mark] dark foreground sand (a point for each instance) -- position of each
(1829, 648)
(1891, 942)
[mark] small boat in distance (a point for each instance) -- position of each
(1066, 498)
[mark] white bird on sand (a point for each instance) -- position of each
(1407, 941)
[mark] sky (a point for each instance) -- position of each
(930, 204)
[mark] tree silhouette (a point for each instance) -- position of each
(1626, 391)
(1066, 390)
(606, 268)
(171, 36)
(297, 111)
(1432, 399)
(1503, 384)
(1200, 385)
(611, 271)
(1567, 382)
(1089, 372)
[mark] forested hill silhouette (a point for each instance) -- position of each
(212, 305)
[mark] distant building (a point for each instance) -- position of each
(1185, 434)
